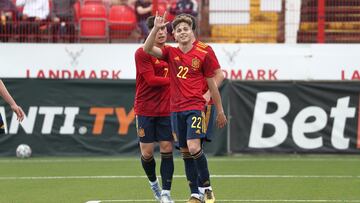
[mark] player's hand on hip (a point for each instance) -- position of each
(19, 112)
(221, 120)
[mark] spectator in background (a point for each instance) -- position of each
(63, 15)
(8, 13)
(185, 6)
(143, 10)
(34, 14)
(117, 2)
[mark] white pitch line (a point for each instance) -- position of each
(180, 176)
(231, 159)
(232, 200)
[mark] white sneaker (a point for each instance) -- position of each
(201, 196)
(209, 196)
(165, 198)
(156, 190)
(201, 193)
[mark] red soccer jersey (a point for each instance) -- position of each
(187, 74)
(151, 100)
(207, 48)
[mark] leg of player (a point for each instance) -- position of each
(166, 170)
(202, 168)
(209, 122)
(165, 138)
(179, 129)
(148, 164)
(195, 149)
(145, 127)
(191, 175)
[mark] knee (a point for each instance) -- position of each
(147, 154)
(166, 147)
(193, 149)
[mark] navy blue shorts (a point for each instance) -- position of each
(153, 129)
(210, 119)
(2, 126)
(187, 125)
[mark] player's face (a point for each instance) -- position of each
(183, 33)
(161, 36)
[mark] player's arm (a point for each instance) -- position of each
(8, 98)
(215, 94)
(219, 77)
(153, 80)
(145, 68)
(149, 47)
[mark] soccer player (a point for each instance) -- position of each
(209, 107)
(152, 109)
(8, 99)
(189, 66)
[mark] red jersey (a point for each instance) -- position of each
(207, 48)
(154, 99)
(187, 74)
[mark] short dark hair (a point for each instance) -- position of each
(182, 19)
(193, 19)
(150, 22)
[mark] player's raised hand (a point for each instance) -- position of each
(221, 119)
(160, 21)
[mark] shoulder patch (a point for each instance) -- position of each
(201, 45)
(202, 50)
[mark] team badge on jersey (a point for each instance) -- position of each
(141, 132)
(195, 63)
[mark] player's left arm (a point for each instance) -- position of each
(8, 98)
(219, 75)
(220, 117)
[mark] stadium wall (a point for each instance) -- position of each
(238, 61)
(74, 109)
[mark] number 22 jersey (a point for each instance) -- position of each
(187, 74)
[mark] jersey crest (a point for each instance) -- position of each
(195, 63)
(141, 132)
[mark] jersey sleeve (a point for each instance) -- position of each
(165, 52)
(209, 67)
(213, 57)
(153, 80)
(145, 68)
(143, 61)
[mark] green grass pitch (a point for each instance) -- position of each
(246, 178)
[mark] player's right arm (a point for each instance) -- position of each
(149, 47)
